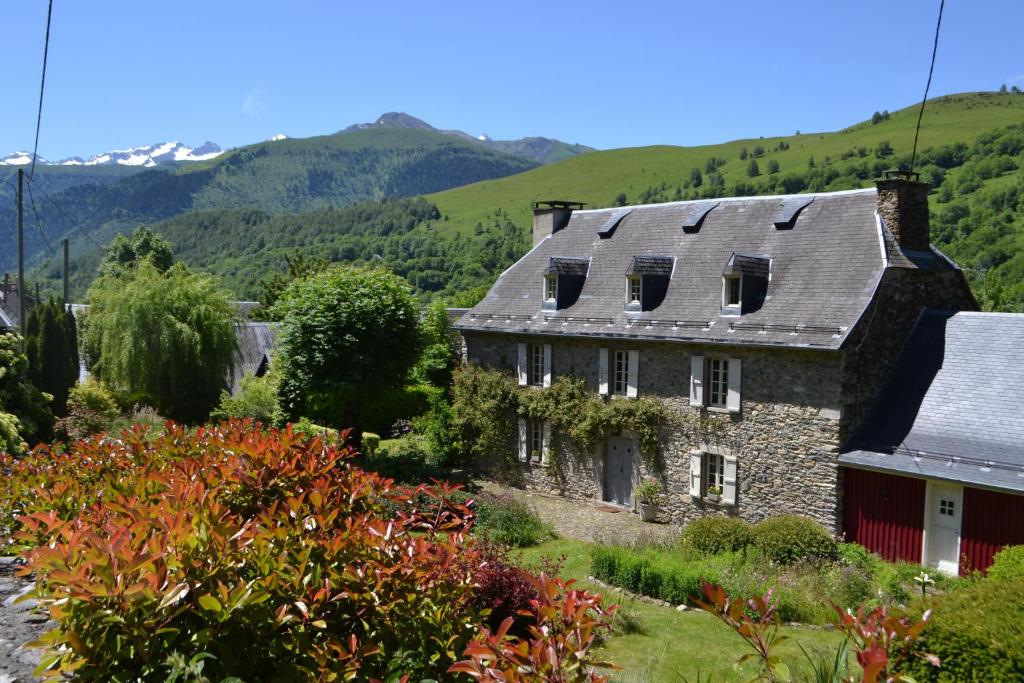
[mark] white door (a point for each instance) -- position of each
(945, 503)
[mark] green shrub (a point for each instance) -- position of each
(712, 535)
(976, 632)
(256, 398)
(91, 409)
(793, 538)
(370, 442)
(1008, 563)
(380, 410)
(505, 520)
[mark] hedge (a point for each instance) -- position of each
(787, 539)
(712, 535)
(1008, 563)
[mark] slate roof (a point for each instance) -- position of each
(6, 321)
(256, 343)
(651, 265)
(568, 266)
(825, 267)
(953, 405)
(757, 266)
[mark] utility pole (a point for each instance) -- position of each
(67, 298)
(21, 254)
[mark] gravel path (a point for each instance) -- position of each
(586, 521)
(19, 624)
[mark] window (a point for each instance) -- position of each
(620, 384)
(714, 479)
(551, 288)
(731, 291)
(536, 365)
(718, 382)
(536, 441)
(635, 289)
(947, 507)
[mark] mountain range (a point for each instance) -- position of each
(145, 156)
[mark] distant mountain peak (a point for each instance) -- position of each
(146, 155)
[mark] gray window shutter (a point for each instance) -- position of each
(522, 365)
(632, 373)
(729, 480)
(733, 398)
(524, 441)
(545, 453)
(602, 372)
(696, 380)
(547, 365)
(695, 471)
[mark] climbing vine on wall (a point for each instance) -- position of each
(486, 403)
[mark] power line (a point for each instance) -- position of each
(77, 225)
(928, 85)
(42, 86)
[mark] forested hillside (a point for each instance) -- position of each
(280, 176)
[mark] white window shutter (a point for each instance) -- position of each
(695, 471)
(522, 365)
(633, 373)
(733, 398)
(524, 441)
(602, 372)
(696, 380)
(729, 480)
(547, 365)
(545, 453)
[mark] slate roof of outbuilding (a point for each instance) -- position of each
(824, 271)
(953, 405)
(6, 321)
(256, 342)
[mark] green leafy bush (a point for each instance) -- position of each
(256, 398)
(976, 632)
(786, 539)
(508, 521)
(1008, 563)
(91, 409)
(713, 534)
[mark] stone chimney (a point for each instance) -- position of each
(903, 204)
(551, 216)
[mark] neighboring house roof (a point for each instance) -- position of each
(951, 407)
(6, 321)
(256, 343)
(827, 254)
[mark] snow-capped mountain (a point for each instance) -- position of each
(147, 155)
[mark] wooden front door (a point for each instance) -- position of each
(618, 471)
(945, 509)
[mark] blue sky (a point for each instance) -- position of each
(607, 74)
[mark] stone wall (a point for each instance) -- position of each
(785, 436)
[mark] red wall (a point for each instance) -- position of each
(884, 513)
(990, 521)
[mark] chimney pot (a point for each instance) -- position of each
(903, 204)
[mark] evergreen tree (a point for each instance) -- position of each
(743, 153)
(752, 168)
(696, 179)
(51, 349)
(73, 358)
(773, 166)
(1002, 88)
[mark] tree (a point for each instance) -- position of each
(620, 199)
(696, 179)
(25, 416)
(752, 168)
(297, 265)
(168, 337)
(346, 333)
(1015, 89)
(1002, 88)
(743, 153)
(126, 253)
(876, 118)
(758, 151)
(773, 166)
(883, 150)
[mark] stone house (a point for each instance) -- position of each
(935, 474)
(775, 317)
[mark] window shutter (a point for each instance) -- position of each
(524, 441)
(729, 480)
(733, 398)
(632, 373)
(695, 470)
(547, 365)
(696, 380)
(545, 449)
(602, 372)
(523, 367)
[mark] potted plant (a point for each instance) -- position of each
(714, 493)
(648, 493)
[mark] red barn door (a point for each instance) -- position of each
(884, 513)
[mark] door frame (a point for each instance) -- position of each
(926, 536)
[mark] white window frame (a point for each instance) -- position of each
(620, 372)
(537, 445)
(634, 289)
(535, 365)
(714, 472)
(551, 288)
(728, 282)
(717, 382)
(722, 474)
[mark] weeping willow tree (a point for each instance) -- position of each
(167, 338)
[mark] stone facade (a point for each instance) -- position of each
(785, 436)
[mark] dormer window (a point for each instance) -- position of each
(647, 282)
(551, 289)
(563, 281)
(745, 284)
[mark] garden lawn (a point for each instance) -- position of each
(674, 645)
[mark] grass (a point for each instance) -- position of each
(673, 645)
(597, 177)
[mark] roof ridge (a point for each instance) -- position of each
(861, 190)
